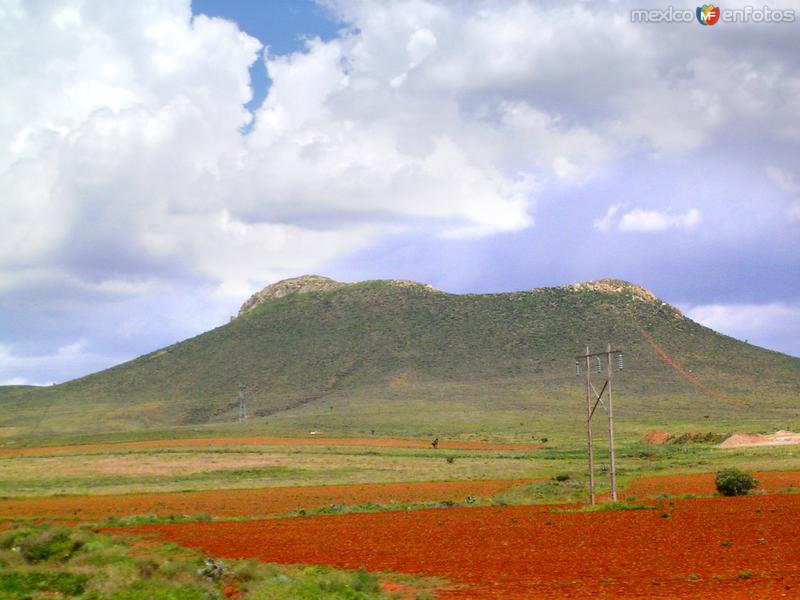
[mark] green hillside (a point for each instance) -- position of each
(402, 358)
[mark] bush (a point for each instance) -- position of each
(49, 544)
(19, 585)
(562, 477)
(733, 482)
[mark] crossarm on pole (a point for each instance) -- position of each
(599, 398)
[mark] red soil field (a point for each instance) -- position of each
(270, 501)
(745, 547)
(245, 503)
(702, 484)
(378, 442)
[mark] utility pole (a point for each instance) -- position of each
(241, 403)
(593, 395)
(589, 426)
(612, 470)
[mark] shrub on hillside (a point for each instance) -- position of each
(733, 482)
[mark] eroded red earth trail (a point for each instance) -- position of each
(669, 360)
(707, 548)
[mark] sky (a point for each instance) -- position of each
(162, 160)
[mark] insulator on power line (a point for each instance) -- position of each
(619, 361)
(577, 368)
(599, 365)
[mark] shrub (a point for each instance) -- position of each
(562, 477)
(733, 482)
(18, 585)
(37, 545)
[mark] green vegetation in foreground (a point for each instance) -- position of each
(403, 359)
(49, 561)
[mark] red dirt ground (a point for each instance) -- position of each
(262, 441)
(245, 503)
(702, 484)
(269, 501)
(745, 547)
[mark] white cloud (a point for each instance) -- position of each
(126, 135)
(420, 45)
(652, 220)
(21, 369)
(775, 325)
(564, 168)
(648, 221)
(123, 169)
(608, 221)
(18, 381)
(784, 180)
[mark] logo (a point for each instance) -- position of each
(708, 14)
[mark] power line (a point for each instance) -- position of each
(592, 395)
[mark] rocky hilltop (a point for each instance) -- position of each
(625, 288)
(295, 285)
(310, 283)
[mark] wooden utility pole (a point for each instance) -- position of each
(612, 469)
(593, 395)
(589, 427)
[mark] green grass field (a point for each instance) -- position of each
(84, 470)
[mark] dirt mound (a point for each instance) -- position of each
(779, 438)
(696, 437)
(657, 437)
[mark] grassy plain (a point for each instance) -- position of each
(118, 469)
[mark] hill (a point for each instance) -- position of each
(401, 358)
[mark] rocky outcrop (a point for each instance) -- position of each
(618, 286)
(311, 283)
(296, 285)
